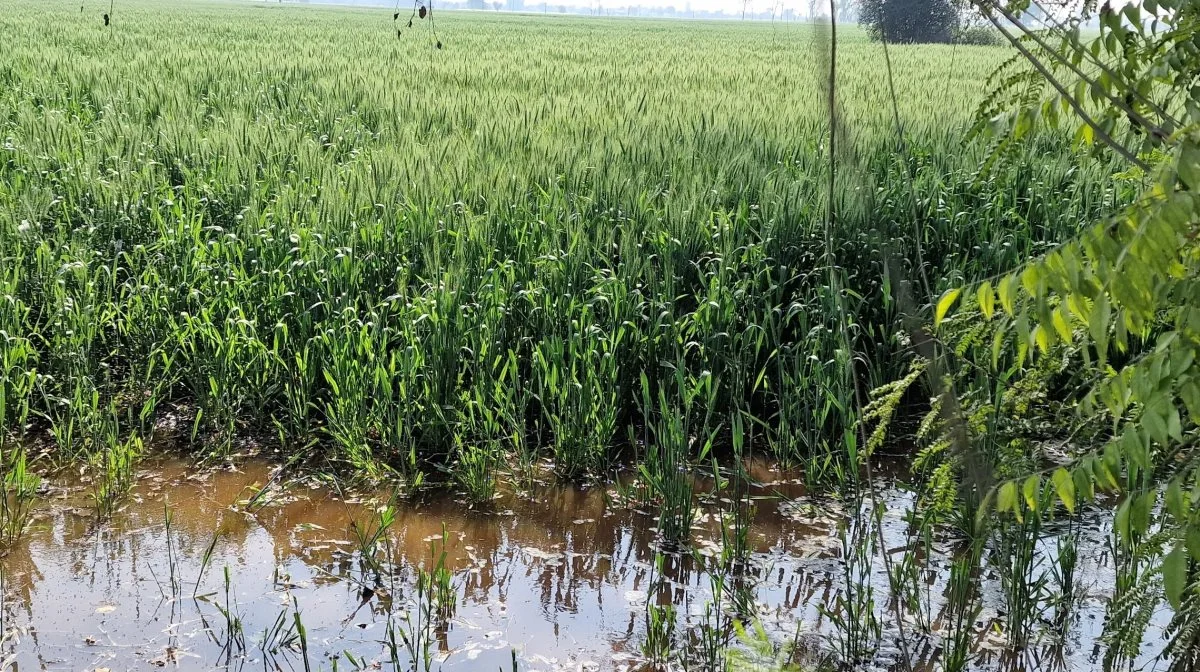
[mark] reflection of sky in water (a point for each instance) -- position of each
(563, 578)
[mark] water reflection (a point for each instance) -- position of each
(563, 577)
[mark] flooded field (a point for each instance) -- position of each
(203, 569)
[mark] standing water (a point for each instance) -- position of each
(209, 569)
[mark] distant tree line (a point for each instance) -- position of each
(922, 21)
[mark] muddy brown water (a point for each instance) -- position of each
(559, 576)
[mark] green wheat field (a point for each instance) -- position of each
(286, 229)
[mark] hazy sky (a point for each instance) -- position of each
(729, 6)
(801, 7)
(734, 7)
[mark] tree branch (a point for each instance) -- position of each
(1087, 119)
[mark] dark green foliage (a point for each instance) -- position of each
(980, 36)
(909, 21)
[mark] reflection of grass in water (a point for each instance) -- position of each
(20, 487)
(657, 644)
(758, 651)
(1066, 596)
(205, 559)
(281, 634)
(700, 635)
(234, 642)
(433, 605)
(172, 569)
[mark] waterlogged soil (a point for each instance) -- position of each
(559, 575)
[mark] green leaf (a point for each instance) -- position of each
(1085, 485)
(1121, 523)
(1098, 323)
(1079, 307)
(1108, 467)
(1024, 123)
(1134, 449)
(1065, 486)
(1156, 425)
(982, 513)
(1139, 515)
(1032, 279)
(1041, 336)
(1007, 497)
(997, 347)
(1189, 165)
(1030, 490)
(1006, 289)
(1190, 394)
(1059, 319)
(1175, 502)
(986, 297)
(1174, 426)
(1175, 570)
(945, 303)
(1085, 135)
